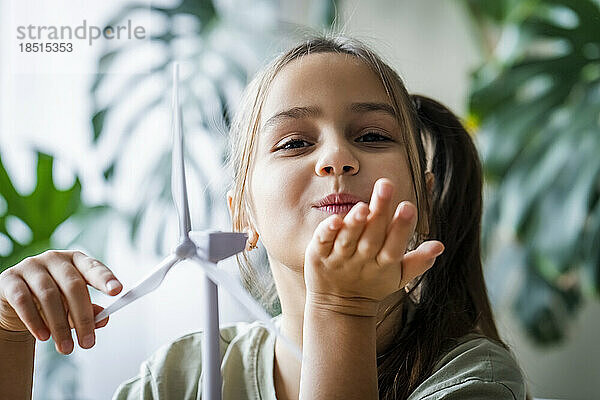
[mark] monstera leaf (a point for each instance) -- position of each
(37, 214)
(35, 222)
(536, 106)
(219, 46)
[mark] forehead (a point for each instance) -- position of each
(323, 77)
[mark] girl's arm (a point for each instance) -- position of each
(339, 355)
(16, 364)
(350, 265)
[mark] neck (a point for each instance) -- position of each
(292, 295)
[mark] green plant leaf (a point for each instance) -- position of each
(539, 136)
(42, 211)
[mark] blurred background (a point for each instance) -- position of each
(85, 156)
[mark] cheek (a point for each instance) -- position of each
(275, 200)
(406, 190)
(279, 187)
(269, 192)
(280, 210)
(402, 178)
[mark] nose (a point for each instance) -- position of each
(338, 159)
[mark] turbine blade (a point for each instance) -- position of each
(178, 185)
(215, 246)
(226, 281)
(148, 284)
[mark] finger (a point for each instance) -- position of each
(399, 233)
(97, 274)
(348, 235)
(79, 305)
(418, 261)
(97, 309)
(19, 297)
(65, 306)
(380, 208)
(48, 295)
(321, 243)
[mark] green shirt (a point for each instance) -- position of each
(476, 369)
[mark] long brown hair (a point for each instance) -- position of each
(452, 299)
(452, 294)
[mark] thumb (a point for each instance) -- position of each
(418, 261)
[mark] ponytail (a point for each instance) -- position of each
(456, 209)
(452, 300)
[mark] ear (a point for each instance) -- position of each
(252, 234)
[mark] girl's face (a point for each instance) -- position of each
(327, 126)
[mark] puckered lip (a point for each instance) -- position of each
(337, 199)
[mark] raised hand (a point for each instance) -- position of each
(351, 264)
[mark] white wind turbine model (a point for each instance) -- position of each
(206, 248)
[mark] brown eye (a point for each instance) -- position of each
(291, 144)
(378, 137)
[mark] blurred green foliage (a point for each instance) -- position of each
(41, 211)
(224, 42)
(535, 106)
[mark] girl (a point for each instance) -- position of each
(346, 179)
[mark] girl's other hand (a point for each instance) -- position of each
(47, 295)
(351, 264)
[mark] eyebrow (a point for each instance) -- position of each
(296, 113)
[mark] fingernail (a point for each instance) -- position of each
(333, 224)
(88, 341)
(385, 190)
(66, 346)
(406, 211)
(43, 335)
(112, 284)
(437, 249)
(361, 213)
